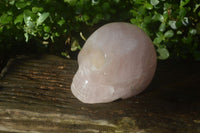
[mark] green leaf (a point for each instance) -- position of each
(47, 29)
(42, 18)
(71, 2)
(142, 10)
(19, 19)
(172, 24)
(75, 45)
(95, 2)
(147, 19)
(85, 17)
(158, 17)
(193, 31)
(163, 53)
(154, 2)
(52, 38)
(196, 7)
(10, 13)
(185, 21)
(61, 22)
(57, 34)
(65, 54)
(138, 1)
(159, 34)
(169, 34)
(167, 6)
(12, 2)
(134, 12)
(157, 40)
(37, 9)
(179, 32)
(116, 1)
(148, 6)
(162, 27)
(182, 12)
(165, 16)
(184, 2)
(28, 19)
(46, 36)
(133, 21)
(5, 19)
(64, 30)
(26, 37)
(20, 4)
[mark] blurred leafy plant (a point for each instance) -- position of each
(174, 26)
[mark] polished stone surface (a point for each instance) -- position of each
(117, 61)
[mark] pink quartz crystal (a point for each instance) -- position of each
(117, 61)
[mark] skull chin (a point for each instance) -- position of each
(89, 89)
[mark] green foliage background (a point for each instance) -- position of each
(174, 26)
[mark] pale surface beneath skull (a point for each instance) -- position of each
(117, 61)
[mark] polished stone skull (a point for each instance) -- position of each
(117, 61)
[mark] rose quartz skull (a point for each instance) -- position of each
(117, 61)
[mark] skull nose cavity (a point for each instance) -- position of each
(97, 59)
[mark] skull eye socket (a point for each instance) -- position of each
(94, 58)
(97, 59)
